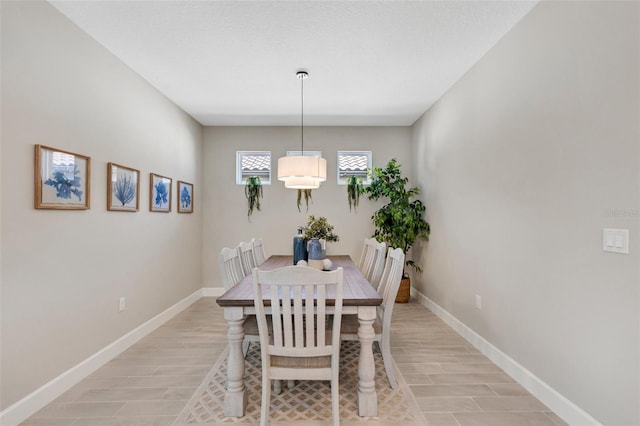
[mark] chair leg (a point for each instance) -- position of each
(291, 384)
(245, 347)
(277, 387)
(335, 401)
(266, 399)
(385, 345)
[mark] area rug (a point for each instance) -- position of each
(308, 403)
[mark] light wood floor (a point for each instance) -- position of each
(151, 382)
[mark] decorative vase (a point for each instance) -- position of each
(316, 254)
(299, 248)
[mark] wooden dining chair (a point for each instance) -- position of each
(258, 251)
(247, 257)
(230, 267)
(302, 346)
(389, 284)
(366, 258)
(372, 260)
(375, 275)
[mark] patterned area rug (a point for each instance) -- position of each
(308, 403)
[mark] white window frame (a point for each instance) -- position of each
(240, 180)
(342, 180)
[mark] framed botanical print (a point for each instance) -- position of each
(123, 188)
(185, 197)
(159, 193)
(62, 179)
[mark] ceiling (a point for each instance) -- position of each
(378, 63)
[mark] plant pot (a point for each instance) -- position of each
(404, 291)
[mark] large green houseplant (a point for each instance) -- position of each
(400, 222)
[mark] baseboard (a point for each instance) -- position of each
(560, 405)
(30, 404)
(212, 291)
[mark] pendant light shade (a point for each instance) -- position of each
(302, 171)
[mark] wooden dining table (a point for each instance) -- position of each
(359, 298)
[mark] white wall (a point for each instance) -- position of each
(225, 205)
(524, 162)
(63, 271)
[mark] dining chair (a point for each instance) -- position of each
(230, 267)
(372, 260)
(258, 251)
(247, 257)
(389, 284)
(302, 345)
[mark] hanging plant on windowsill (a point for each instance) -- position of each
(354, 189)
(306, 193)
(253, 192)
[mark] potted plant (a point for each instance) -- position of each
(316, 233)
(400, 222)
(253, 192)
(320, 228)
(354, 189)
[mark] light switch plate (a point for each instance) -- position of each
(615, 240)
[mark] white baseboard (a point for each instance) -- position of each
(212, 291)
(30, 404)
(560, 405)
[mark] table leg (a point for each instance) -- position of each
(367, 397)
(235, 398)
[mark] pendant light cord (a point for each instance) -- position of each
(302, 115)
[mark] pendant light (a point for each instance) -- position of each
(302, 171)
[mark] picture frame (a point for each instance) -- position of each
(123, 188)
(62, 179)
(159, 193)
(184, 197)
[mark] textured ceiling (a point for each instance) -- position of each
(234, 62)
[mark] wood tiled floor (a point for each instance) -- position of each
(151, 382)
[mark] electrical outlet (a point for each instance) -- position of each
(122, 305)
(478, 301)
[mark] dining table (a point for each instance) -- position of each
(359, 298)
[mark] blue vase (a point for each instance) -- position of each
(299, 248)
(315, 250)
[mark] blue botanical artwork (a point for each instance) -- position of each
(185, 198)
(66, 187)
(160, 199)
(162, 194)
(124, 189)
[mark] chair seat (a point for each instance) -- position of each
(301, 362)
(251, 326)
(350, 325)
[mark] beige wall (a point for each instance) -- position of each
(225, 205)
(524, 162)
(64, 271)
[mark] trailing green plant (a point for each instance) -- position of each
(400, 222)
(354, 189)
(306, 193)
(253, 192)
(319, 227)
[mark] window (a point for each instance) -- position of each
(353, 163)
(253, 163)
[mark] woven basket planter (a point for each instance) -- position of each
(404, 291)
